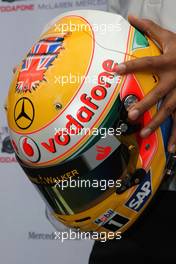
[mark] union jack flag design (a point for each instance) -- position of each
(38, 60)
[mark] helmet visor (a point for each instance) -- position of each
(85, 181)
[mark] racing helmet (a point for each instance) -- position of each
(67, 116)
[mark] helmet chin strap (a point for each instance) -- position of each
(171, 165)
(128, 179)
(122, 121)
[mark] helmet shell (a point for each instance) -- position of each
(67, 80)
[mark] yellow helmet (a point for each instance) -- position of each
(67, 115)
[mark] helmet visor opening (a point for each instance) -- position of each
(74, 186)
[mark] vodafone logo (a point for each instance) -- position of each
(87, 110)
(29, 149)
(15, 8)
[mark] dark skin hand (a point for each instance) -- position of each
(164, 66)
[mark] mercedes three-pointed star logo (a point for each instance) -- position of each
(24, 113)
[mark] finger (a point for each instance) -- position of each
(154, 96)
(172, 140)
(143, 64)
(150, 28)
(166, 110)
(15, 69)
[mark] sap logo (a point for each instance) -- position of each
(141, 195)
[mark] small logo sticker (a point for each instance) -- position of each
(24, 113)
(111, 220)
(38, 60)
(103, 152)
(141, 195)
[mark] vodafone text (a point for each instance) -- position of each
(90, 105)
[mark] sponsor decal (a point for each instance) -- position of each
(90, 106)
(6, 148)
(53, 180)
(15, 7)
(10, 1)
(141, 195)
(103, 152)
(24, 113)
(30, 149)
(111, 220)
(41, 236)
(38, 60)
(72, 4)
(56, 5)
(85, 114)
